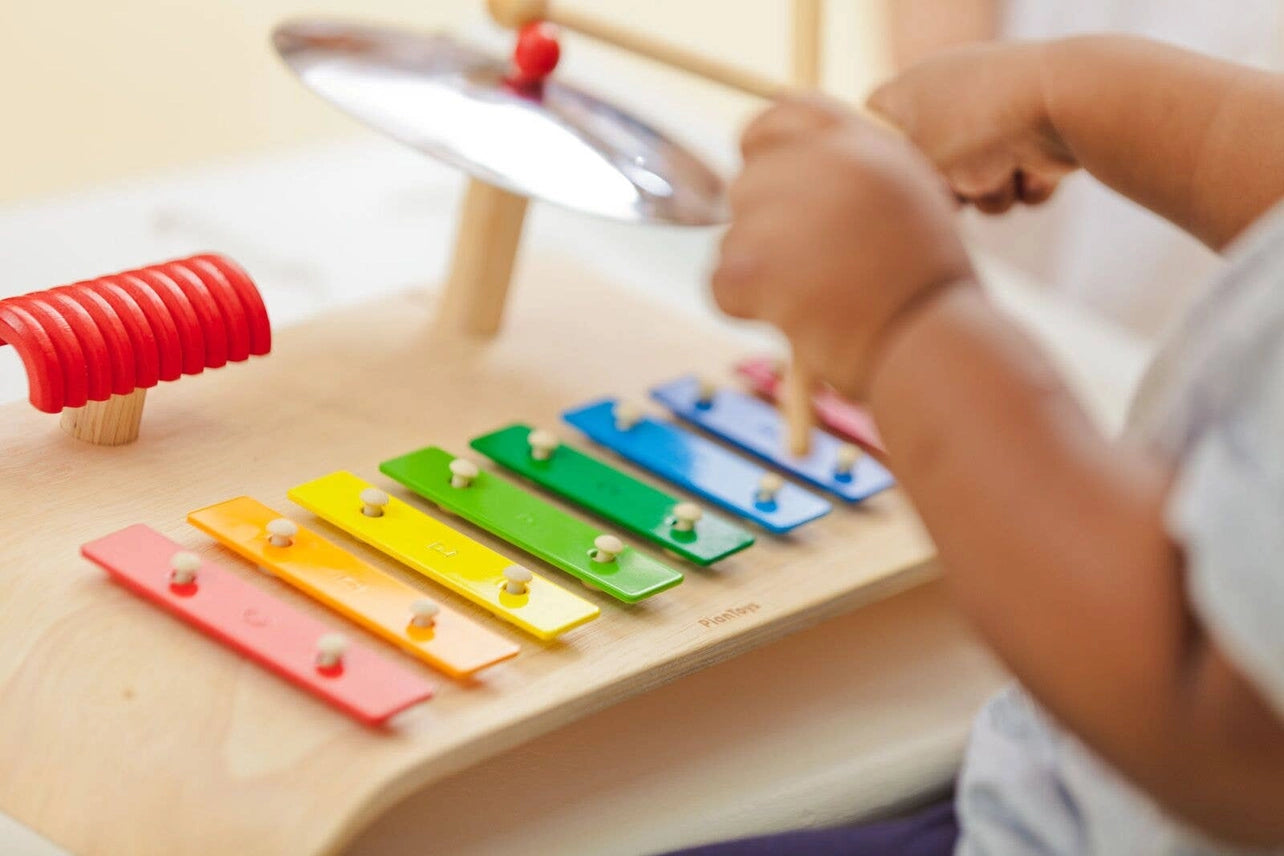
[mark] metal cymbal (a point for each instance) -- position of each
(556, 143)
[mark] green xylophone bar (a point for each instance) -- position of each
(681, 527)
(484, 499)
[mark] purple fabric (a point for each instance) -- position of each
(931, 832)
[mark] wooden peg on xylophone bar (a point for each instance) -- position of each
(462, 472)
(707, 391)
(330, 650)
(769, 488)
(183, 567)
(517, 579)
(373, 502)
(281, 532)
(627, 414)
(685, 516)
(606, 548)
(543, 444)
(846, 460)
(423, 612)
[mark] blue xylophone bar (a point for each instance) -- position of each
(700, 466)
(755, 426)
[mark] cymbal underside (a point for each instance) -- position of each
(452, 101)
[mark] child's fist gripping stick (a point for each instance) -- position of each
(840, 230)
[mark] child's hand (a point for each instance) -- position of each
(979, 114)
(839, 228)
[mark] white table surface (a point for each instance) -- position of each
(828, 725)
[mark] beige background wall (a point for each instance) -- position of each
(95, 90)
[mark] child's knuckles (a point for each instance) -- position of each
(1000, 199)
(994, 203)
(890, 102)
(816, 110)
(787, 121)
(974, 181)
(882, 100)
(744, 194)
(731, 298)
(735, 278)
(1038, 188)
(769, 131)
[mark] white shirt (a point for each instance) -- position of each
(1212, 406)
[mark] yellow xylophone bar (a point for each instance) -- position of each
(445, 556)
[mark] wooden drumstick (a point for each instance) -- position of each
(807, 14)
(796, 401)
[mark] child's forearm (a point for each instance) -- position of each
(1054, 541)
(1197, 140)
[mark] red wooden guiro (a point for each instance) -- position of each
(111, 338)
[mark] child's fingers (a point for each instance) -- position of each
(790, 119)
(734, 278)
(982, 174)
(768, 180)
(997, 201)
(1037, 189)
(888, 103)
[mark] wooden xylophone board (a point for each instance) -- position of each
(123, 730)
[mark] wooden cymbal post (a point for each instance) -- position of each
(490, 230)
